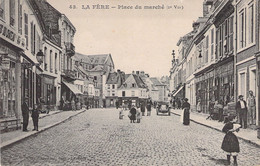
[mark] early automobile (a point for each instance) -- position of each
(163, 107)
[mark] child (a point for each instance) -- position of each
(230, 142)
(35, 116)
(138, 116)
(121, 114)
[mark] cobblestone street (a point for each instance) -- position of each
(98, 137)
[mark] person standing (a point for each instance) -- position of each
(133, 114)
(149, 107)
(73, 105)
(198, 106)
(25, 114)
(138, 116)
(230, 142)
(251, 108)
(61, 103)
(143, 108)
(35, 116)
(241, 108)
(117, 104)
(186, 111)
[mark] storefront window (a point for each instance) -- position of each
(7, 88)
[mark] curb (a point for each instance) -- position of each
(244, 139)
(11, 142)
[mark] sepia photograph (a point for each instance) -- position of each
(130, 82)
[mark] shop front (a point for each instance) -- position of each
(205, 89)
(10, 91)
(224, 81)
(49, 92)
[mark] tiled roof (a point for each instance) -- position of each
(155, 81)
(139, 81)
(97, 68)
(112, 78)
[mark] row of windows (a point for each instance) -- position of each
(57, 61)
(246, 26)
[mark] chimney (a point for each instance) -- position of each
(205, 9)
(133, 72)
(137, 72)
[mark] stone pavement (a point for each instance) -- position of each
(99, 137)
(248, 134)
(46, 121)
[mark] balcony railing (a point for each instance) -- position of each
(70, 49)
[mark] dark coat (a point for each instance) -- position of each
(133, 114)
(35, 112)
(25, 110)
(230, 142)
(186, 113)
(185, 104)
(142, 107)
(238, 106)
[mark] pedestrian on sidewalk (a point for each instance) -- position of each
(241, 108)
(186, 111)
(35, 116)
(251, 108)
(230, 142)
(25, 114)
(199, 106)
(73, 105)
(132, 114)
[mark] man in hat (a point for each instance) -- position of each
(251, 108)
(241, 108)
(25, 114)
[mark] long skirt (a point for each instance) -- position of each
(186, 117)
(230, 143)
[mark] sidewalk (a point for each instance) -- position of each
(46, 121)
(248, 135)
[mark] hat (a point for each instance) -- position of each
(240, 96)
(185, 99)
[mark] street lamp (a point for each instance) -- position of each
(40, 56)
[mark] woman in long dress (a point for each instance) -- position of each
(133, 114)
(186, 112)
(230, 142)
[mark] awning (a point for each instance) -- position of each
(73, 88)
(178, 90)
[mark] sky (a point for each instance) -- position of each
(138, 39)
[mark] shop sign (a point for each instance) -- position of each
(5, 64)
(15, 39)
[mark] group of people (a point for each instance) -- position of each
(34, 114)
(70, 105)
(246, 111)
(176, 103)
(136, 112)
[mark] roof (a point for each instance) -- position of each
(139, 81)
(99, 59)
(112, 78)
(97, 68)
(155, 81)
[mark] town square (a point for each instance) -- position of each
(130, 82)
